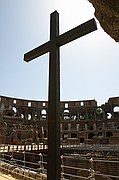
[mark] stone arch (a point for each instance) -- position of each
(109, 115)
(116, 109)
(66, 114)
(14, 109)
(73, 114)
(35, 116)
(81, 140)
(22, 116)
(99, 113)
(9, 114)
(82, 116)
(73, 135)
(65, 136)
(99, 110)
(90, 115)
(109, 134)
(100, 134)
(43, 113)
(91, 135)
(29, 116)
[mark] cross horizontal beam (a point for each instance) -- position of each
(62, 39)
(77, 32)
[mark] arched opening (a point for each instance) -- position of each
(45, 133)
(99, 113)
(66, 114)
(9, 114)
(90, 115)
(14, 109)
(65, 127)
(73, 135)
(99, 110)
(91, 127)
(73, 117)
(116, 109)
(43, 104)
(109, 134)
(35, 116)
(91, 135)
(29, 117)
(65, 136)
(81, 140)
(109, 115)
(82, 116)
(22, 116)
(14, 101)
(29, 104)
(66, 105)
(100, 134)
(43, 113)
(82, 103)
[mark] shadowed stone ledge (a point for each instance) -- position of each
(107, 13)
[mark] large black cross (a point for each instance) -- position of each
(52, 46)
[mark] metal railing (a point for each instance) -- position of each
(93, 168)
(23, 164)
(18, 164)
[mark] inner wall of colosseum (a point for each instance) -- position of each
(25, 121)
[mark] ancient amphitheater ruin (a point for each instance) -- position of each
(25, 121)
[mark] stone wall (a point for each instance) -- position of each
(107, 13)
(25, 121)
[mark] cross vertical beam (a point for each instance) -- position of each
(53, 46)
(54, 165)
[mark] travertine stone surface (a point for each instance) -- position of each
(107, 13)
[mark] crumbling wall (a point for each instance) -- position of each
(25, 121)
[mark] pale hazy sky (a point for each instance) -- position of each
(89, 65)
